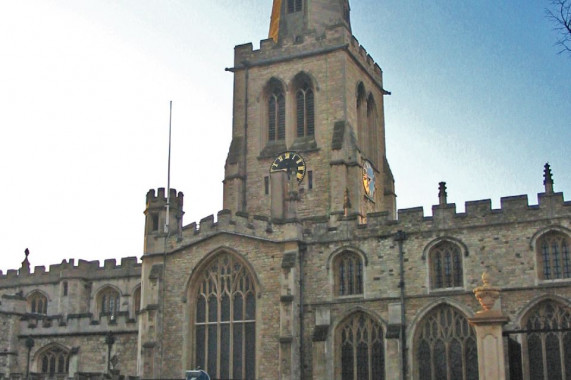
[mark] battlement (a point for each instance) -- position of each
(478, 213)
(335, 38)
(129, 266)
(160, 199)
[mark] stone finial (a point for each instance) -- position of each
(486, 294)
(346, 202)
(547, 179)
(442, 195)
(25, 268)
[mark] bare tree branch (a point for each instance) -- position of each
(560, 15)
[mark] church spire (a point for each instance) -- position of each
(291, 19)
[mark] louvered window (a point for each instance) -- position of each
(305, 112)
(294, 6)
(276, 116)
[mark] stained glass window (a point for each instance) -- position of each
(446, 346)
(225, 333)
(362, 348)
(553, 255)
(446, 266)
(549, 351)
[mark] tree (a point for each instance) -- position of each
(560, 15)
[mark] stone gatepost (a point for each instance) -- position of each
(488, 324)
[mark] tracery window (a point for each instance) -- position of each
(54, 361)
(305, 111)
(294, 6)
(549, 351)
(361, 352)
(553, 256)
(445, 347)
(37, 303)
(109, 301)
(348, 269)
(225, 328)
(446, 266)
(276, 114)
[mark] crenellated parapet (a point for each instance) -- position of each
(85, 323)
(338, 227)
(335, 38)
(88, 270)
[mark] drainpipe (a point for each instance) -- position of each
(400, 237)
(302, 251)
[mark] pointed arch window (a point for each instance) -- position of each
(361, 348)
(548, 353)
(37, 303)
(554, 256)
(137, 301)
(54, 361)
(108, 302)
(225, 334)
(305, 111)
(372, 130)
(276, 115)
(348, 270)
(446, 266)
(445, 346)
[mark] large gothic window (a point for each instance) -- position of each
(225, 329)
(276, 112)
(445, 266)
(361, 349)
(549, 342)
(108, 301)
(37, 303)
(348, 272)
(362, 116)
(372, 128)
(553, 256)
(445, 346)
(54, 361)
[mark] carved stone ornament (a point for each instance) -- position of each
(487, 294)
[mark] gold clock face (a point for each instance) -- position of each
(290, 162)
(369, 179)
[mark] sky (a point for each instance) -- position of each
(480, 99)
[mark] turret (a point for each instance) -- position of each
(291, 19)
(156, 226)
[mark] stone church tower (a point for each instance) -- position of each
(313, 91)
(309, 272)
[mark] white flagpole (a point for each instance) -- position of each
(169, 175)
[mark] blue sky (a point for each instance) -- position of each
(480, 99)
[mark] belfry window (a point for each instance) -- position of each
(294, 6)
(276, 115)
(348, 268)
(446, 266)
(361, 348)
(305, 112)
(445, 346)
(553, 256)
(225, 327)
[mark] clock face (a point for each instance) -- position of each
(290, 162)
(369, 179)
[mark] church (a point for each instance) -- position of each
(310, 271)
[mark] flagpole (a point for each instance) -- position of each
(169, 174)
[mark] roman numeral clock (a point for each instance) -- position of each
(290, 162)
